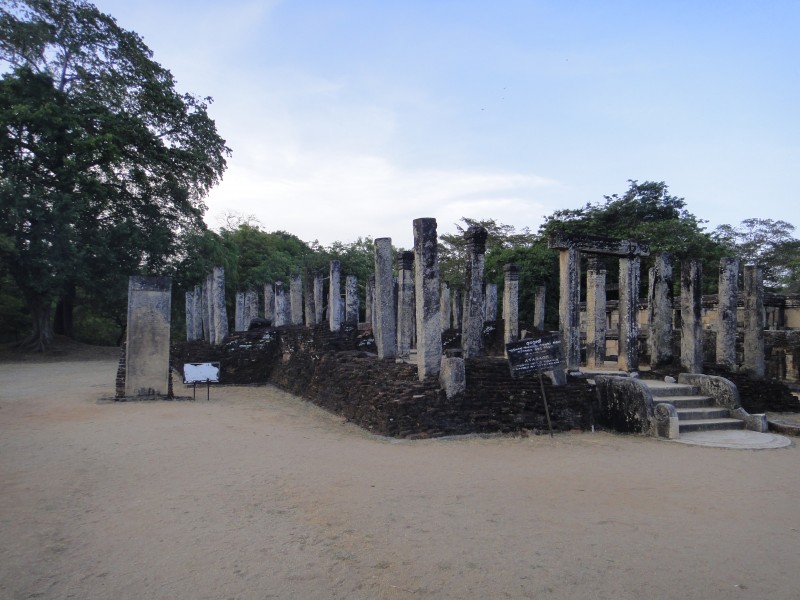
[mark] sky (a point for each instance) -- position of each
(350, 119)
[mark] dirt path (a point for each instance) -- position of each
(257, 494)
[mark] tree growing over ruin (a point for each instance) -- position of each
(103, 163)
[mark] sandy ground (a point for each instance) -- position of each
(258, 494)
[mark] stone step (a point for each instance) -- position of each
(685, 401)
(696, 414)
(662, 389)
(709, 424)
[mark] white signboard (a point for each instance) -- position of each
(201, 373)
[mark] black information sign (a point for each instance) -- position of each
(531, 356)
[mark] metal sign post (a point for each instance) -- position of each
(536, 355)
(195, 373)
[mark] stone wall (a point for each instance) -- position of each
(341, 373)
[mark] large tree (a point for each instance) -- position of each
(103, 163)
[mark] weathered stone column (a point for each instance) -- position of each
(208, 309)
(190, 317)
(727, 298)
(198, 313)
(511, 303)
(692, 316)
(308, 299)
(282, 310)
(238, 317)
(472, 332)
(335, 296)
(628, 359)
(385, 319)
(405, 303)
(753, 362)
(444, 307)
(319, 297)
(296, 299)
(426, 291)
(351, 304)
(457, 305)
(490, 302)
(595, 312)
(269, 302)
(569, 306)
(538, 308)
(369, 312)
(220, 311)
(659, 310)
(147, 349)
(250, 308)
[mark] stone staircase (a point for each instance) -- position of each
(695, 411)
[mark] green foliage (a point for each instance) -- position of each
(103, 164)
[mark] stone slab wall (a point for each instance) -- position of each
(147, 343)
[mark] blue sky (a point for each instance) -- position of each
(351, 119)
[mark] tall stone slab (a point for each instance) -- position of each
(444, 307)
(369, 310)
(754, 321)
(490, 302)
(538, 307)
(569, 306)
(457, 307)
(386, 321)
(351, 303)
(511, 303)
(190, 317)
(238, 315)
(198, 313)
(426, 291)
(269, 302)
(727, 298)
(692, 316)
(250, 308)
(629, 272)
(335, 296)
(208, 309)
(319, 298)
(220, 311)
(472, 332)
(308, 299)
(595, 312)
(147, 348)
(282, 308)
(296, 299)
(659, 310)
(405, 304)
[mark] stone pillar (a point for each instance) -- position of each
(457, 306)
(308, 299)
(369, 313)
(252, 302)
(595, 313)
(405, 303)
(490, 302)
(351, 305)
(296, 299)
(426, 291)
(319, 295)
(444, 307)
(282, 310)
(538, 308)
(334, 296)
(472, 331)
(659, 311)
(727, 297)
(238, 317)
(208, 309)
(754, 321)
(147, 347)
(692, 316)
(511, 303)
(385, 319)
(220, 311)
(190, 317)
(569, 306)
(628, 358)
(269, 302)
(198, 313)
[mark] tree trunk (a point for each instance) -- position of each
(62, 322)
(41, 335)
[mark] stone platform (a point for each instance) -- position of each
(735, 439)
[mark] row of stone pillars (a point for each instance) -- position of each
(660, 307)
(206, 315)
